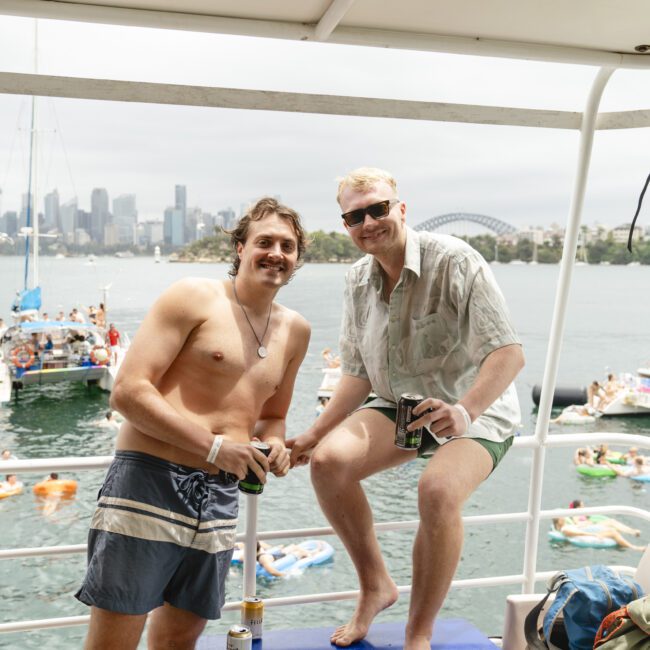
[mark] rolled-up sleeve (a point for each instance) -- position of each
(488, 320)
(351, 360)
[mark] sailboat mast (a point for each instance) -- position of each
(34, 156)
(28, 215)
(31, 186)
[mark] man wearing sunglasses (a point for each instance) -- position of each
(422, 314)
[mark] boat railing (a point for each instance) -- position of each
(251, 534)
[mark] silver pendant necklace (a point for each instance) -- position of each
(262, 352)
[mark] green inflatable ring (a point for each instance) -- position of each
(595, 470)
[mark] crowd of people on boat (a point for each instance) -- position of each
(42, 347)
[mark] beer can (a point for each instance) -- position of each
(252, 616)
(407, 439)
(251, 484)
(239, 638)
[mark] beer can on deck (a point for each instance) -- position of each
(251, 484)
(252, 616)
(407, 439)
(239, 638)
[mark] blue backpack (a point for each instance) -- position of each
(583, 597)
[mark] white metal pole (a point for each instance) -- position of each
(250, 547)
(557, 324)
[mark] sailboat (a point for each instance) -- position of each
(35, 351)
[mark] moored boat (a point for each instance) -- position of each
(33, 353)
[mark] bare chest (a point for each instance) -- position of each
(225, 350)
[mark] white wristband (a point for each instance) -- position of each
(465, 414)
(214, 450)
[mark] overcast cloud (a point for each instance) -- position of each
(228, 157)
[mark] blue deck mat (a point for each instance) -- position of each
(450, 634)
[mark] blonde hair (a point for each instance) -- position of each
(363, 179)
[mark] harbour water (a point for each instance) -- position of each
(607, 330)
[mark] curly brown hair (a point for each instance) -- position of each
(261, 209)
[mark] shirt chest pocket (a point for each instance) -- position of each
(431, 340)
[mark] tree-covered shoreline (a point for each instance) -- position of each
(337, 247)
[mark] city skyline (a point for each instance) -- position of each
(226, 157)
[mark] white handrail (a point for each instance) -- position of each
(70, 621)
(251, 535)
(557, 324)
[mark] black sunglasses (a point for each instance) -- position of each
(376, 211)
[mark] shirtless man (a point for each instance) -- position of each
(212, 365)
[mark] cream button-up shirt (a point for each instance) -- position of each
(445, 315)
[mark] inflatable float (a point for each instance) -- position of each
(56, 487)
(595, 470)
(571, 417)
(642, 478)
(616, 458)
(290, 562)
(585, 541)
(4, 493)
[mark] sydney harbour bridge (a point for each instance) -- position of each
(491, 223)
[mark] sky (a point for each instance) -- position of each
(227, 158)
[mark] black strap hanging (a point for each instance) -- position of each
(638, 209)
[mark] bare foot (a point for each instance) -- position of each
(639, 548)
(370, 603)
(417, 643)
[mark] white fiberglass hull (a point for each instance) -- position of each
(632, 402)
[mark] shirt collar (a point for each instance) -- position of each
(371, 272)
(412, 252)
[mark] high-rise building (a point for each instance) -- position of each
(52, 219)
(83, 220)
(193, 225)
(174, 227)
(227, 217)
(100, 214)
(68, 219)
(180, 202)
(125, 216)
(9, 223)
(27, 202)
(153, 233)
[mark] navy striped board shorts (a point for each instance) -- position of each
(161, 532)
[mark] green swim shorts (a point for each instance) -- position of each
(497, 450)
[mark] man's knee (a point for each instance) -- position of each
(171, 627)
(437, 499)
(328, 461)
(108, 630)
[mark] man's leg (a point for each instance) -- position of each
(170, 627)
(453, 473)
(361, 446)
(112, 631)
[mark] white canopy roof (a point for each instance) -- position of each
(599, 32)
(592, 32)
